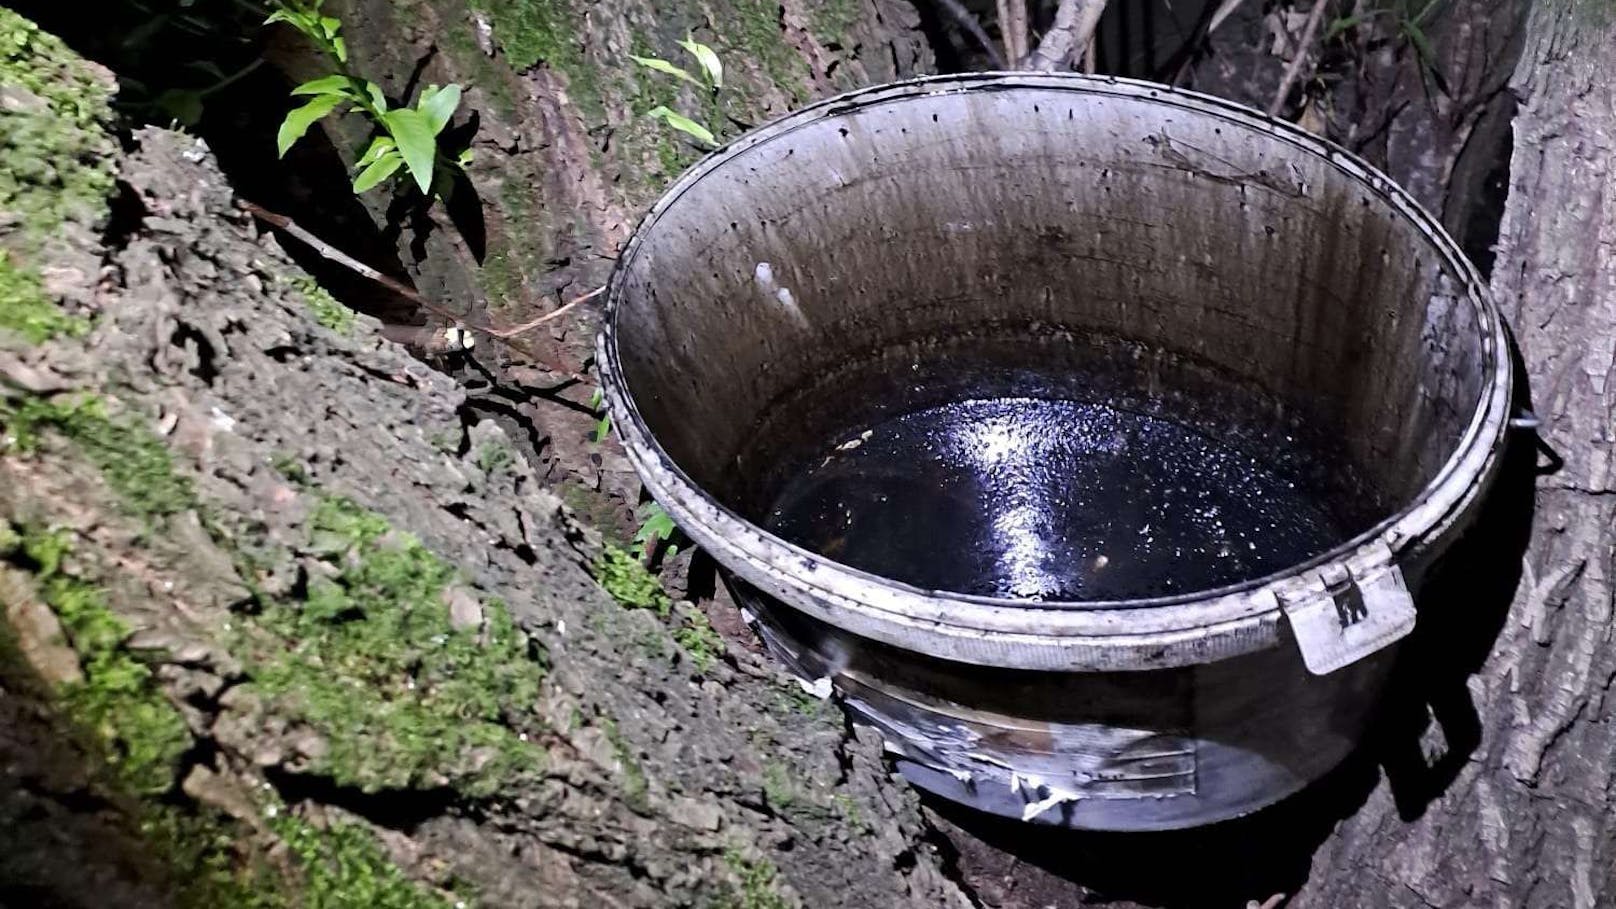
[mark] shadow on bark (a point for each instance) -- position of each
(1463, 604)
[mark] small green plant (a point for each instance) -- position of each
(629, 583)
(1410, 27)
(756, 880)
(604, 427)
(406, 137)
(656, 528)
(712, 80)
(327, 311)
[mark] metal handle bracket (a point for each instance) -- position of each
(1345, 612)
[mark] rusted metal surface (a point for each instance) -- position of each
(1208, 259)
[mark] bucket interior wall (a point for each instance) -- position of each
(1150, 255)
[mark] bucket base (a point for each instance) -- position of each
(1115, 751)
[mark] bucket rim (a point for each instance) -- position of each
(1094, 635)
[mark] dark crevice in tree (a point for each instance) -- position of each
(401, 810)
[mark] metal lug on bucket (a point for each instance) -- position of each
(1345, 614)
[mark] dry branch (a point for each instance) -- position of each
(1304, 48)
(332, 254)
(1013, 29)
(1073, 29)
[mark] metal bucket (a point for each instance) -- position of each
(1182, 255)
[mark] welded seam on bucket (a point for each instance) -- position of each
(1082, 636)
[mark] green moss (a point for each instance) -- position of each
(289, 467)
(755, 884)
(635, 587)
(777, 785)
(25, 311)
(636, 787)
(755, 34)
(629, 583)
(55, 154)
(142, 734)
(461, 45)
(544, 31)
(327, 311)
(131, 458)
(698, 640)
(344, 867)
(848, 808)
(831, 20)
(370, 661)
(208, 868)
(494, 456)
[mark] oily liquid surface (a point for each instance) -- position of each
(1048, 499)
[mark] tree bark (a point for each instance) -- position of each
(1529, 819)
(210, 493)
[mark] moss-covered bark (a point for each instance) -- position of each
(289, 624)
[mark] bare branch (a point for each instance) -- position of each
(1304, 49)
(966, 21)
(332, 254)
(547, 317)
(1013, 28)
(1073, 29)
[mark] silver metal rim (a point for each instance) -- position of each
(1080, 636)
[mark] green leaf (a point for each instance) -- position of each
(383, 167)
(340, 48)
(663, 66)
(280, 15)
(1421, 46)
(377, 99)
(330, 25)
(326, 85)
(708, 58)
(379, 146)
(299, 120)
(603, 429)
(438, 104)
(683, 124)
(416, 143)
(464, 159)
(655, 528)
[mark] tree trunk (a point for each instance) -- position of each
(1529, 819)
(288, 624)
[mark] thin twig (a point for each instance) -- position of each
(1073, 28)
(331, 253)
(1013, 29)
(965, 20)
(1303, 48)
(553, 314)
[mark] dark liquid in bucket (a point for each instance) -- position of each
(1048, 499)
